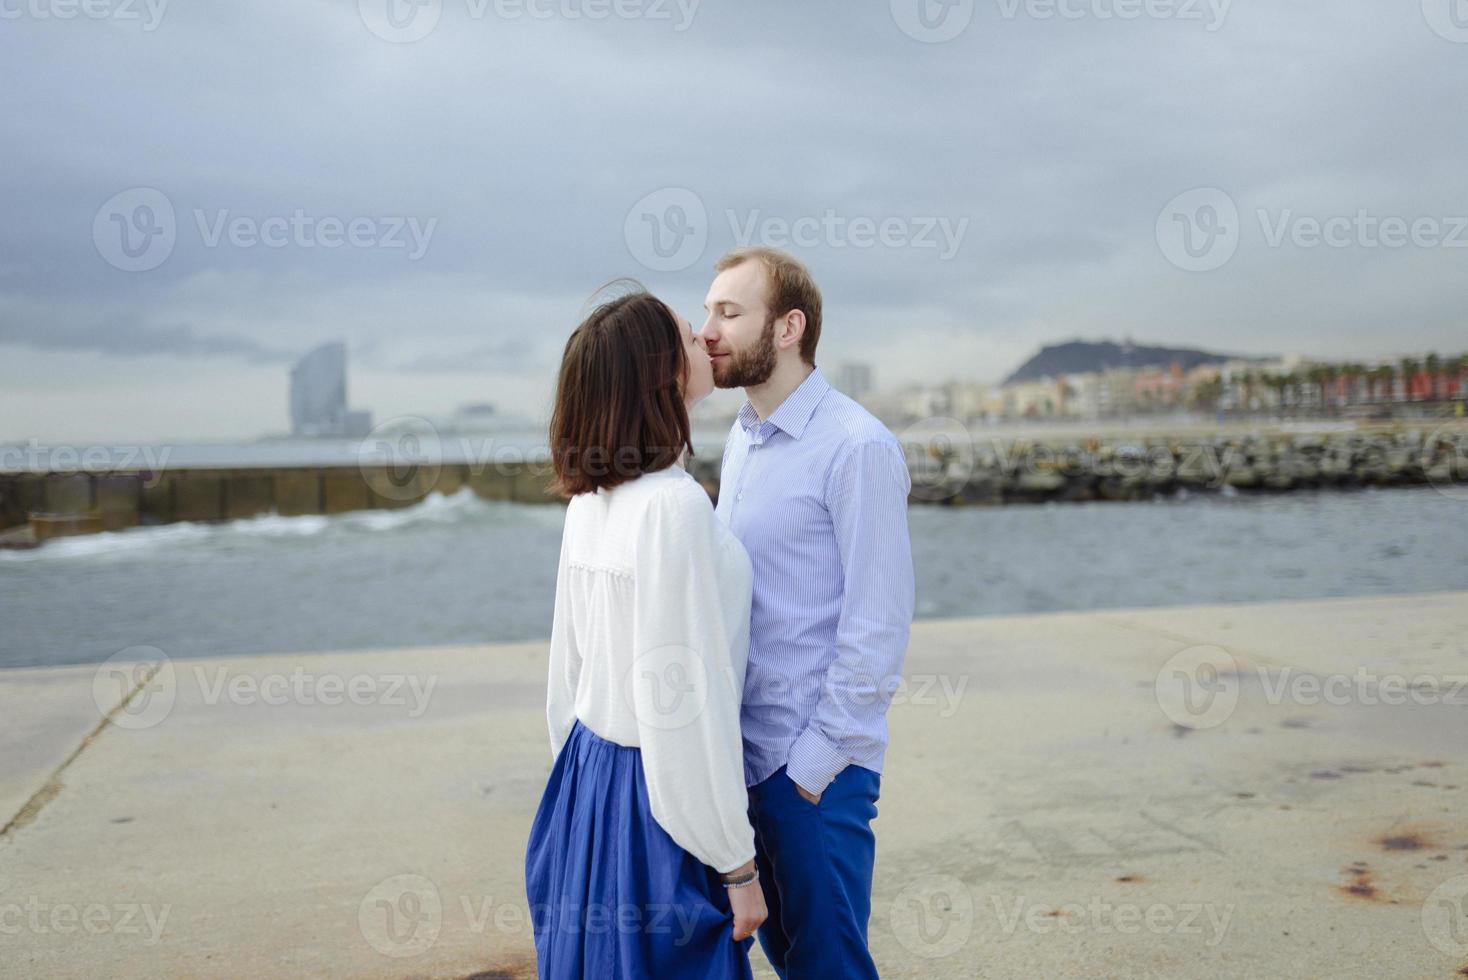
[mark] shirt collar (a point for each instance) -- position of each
(795, 411)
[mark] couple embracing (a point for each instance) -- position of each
(719, 677)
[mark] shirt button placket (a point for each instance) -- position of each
(744, 470)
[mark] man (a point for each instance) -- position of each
(816, 489)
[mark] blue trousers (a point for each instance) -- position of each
(815, 863)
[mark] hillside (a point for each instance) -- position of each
(1082, 356)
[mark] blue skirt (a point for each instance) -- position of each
(611, 895)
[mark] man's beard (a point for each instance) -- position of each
(751, 367)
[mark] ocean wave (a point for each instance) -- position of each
(461, 508)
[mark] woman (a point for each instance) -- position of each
(641, 858)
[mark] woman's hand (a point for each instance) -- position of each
(748, 904)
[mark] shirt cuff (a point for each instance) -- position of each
(814, 762)
(735, 865)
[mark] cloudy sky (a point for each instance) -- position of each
(196, 192)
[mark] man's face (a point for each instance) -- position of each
(740, 332)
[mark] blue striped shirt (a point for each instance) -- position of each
(817, 493)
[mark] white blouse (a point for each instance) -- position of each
(648, 647)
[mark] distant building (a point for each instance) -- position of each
(480, 415)
(969, 401)
(854, 380)
(1114, 392)
(1157, 388)
(1082, 395)
(1039, 399)
(319, 396)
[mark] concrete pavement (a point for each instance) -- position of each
(1183, 792)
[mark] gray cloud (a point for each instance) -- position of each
(1058, 140)
(131, 339)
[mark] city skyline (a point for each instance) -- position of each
(317, 385)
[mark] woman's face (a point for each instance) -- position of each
(700, 381)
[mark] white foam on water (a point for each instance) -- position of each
(463, 507)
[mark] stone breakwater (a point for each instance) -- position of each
(951, 470)
(949, 466)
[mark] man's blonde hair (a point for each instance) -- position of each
(791, 288)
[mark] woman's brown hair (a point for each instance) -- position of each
(619, 409)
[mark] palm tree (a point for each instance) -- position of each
(1321, 375)
(1452, 367)
(1278, 383)
(1409, 371)
(1352, 372)
(1380, 376)
(1434, 365)
(1204, 395)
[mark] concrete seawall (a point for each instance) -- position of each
(67, 503)
(1043, 814)
(950, 465)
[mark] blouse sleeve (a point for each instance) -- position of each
(565, 664)
(685, 687)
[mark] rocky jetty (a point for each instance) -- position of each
(951, 467)
(947, 472)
